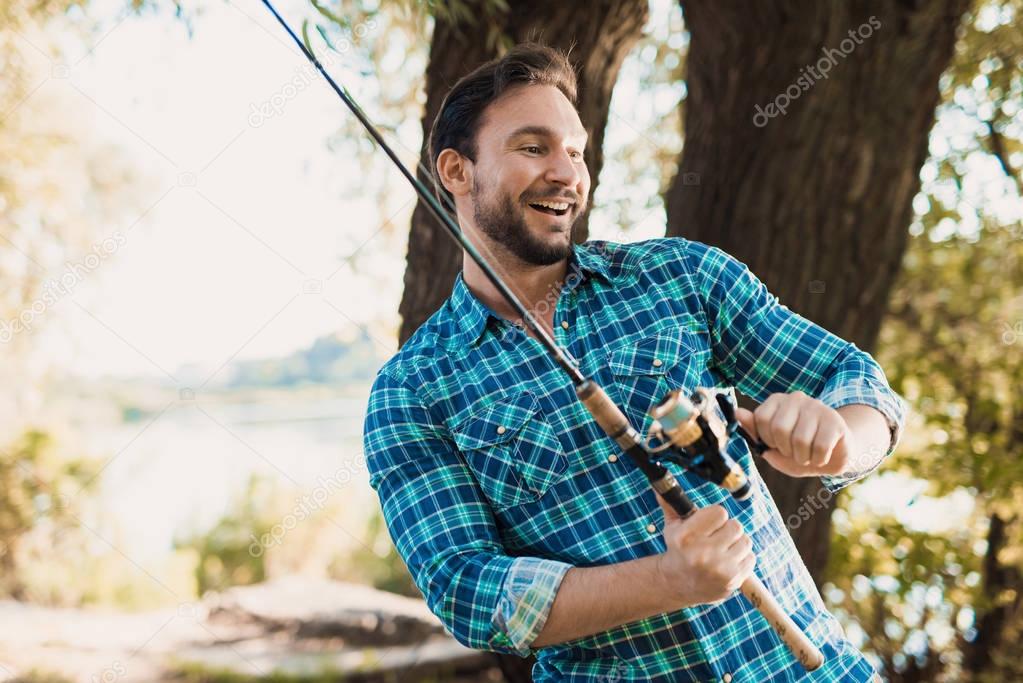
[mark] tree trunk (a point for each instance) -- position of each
(599, 36)
(1002, 602)
(817, 200)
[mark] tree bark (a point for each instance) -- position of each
(1002, 602)
(816, 201)
(599, 36)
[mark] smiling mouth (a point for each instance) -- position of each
(551, 208)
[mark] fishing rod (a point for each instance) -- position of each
(693, 430)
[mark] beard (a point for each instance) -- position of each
(505, 223)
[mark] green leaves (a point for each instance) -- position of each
(950, 345)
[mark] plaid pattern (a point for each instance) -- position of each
(494, 480)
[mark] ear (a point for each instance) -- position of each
(455, 172)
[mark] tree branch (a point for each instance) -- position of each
(1000, 153)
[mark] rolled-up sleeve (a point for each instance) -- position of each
(444, 529)
(763, 348)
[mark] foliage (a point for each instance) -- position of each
(378, 563)
(644, 131)
(225, 551)
(269, 531)
(943, 604)
(50, 551)
(196, 673)
(37, 507)
(60, 190)
(38, 676)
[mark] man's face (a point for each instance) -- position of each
(530, 181)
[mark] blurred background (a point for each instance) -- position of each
(203, 263)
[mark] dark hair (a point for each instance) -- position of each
(459, 118)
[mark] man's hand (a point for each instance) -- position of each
(708, 556)
(805, 437)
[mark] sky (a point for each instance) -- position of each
(240, 241)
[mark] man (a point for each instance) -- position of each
(517, 519)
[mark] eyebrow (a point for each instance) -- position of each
(543, 131)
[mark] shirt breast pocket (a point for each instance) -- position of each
(647, 368)
(512, 449)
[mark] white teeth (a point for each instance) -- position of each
(557, 206)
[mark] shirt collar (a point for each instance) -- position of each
(471, 315)
(591, 259)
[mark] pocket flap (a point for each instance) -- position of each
(651, 355)
(497, 423)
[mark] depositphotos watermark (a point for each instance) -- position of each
(808, 75)
(56, 288)
(815, 502)
(1012, 333)
(305, 76)
(110, 674)
(306, 505)
(543, 307)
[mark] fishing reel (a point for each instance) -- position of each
(694, 432)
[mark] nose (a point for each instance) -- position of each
(563, 170)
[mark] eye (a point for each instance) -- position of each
(533, 149)
(577, 155)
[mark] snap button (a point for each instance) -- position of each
(501, 430)
(651, 528)
(564, 324)
(658, 362)
(727, 678)
(612, 458)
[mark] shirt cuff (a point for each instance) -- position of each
(525, 603)
(884, 400)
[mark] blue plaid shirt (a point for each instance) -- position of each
(494, 480)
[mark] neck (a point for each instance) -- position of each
(537, 287)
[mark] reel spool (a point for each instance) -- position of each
(693, 426)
